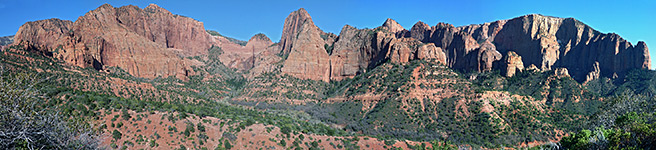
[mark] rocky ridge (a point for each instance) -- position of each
(548, 43)
(147, 42)
(152, 42)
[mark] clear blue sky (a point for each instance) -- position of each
(633, 20)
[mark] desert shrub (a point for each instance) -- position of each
(26, 122)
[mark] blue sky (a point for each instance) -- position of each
(633, 20)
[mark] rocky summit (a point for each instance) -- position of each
(146, 78)
(546, 42)
(153, 42)
(147, 42)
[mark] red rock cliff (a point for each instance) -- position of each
(147, 42)
(546, 42)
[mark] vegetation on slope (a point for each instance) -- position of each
(419, 100)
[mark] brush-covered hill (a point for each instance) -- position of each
(147, 78)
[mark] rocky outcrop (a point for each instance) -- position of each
(542, 42)
(45, 34)
(594, 74)
(153, 42)
(561, 72)
(350, 53)
(292, 27)
(511, 64)
(568, 43)
(392, 26)
(431, 52)
(244, 58)
(420, 31)
(305, 45)
(147, 42)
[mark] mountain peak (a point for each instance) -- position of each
(392, 25)
(420, 25)
(259, 37)
(152, 5)
(293, 24)
(105, 6)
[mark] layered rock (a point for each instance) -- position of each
(153, 42)
(147, 42)
(304, 48)
(292, 27)
(347, 58)
(543, 42)
(392, 26)
(245, 57)
(511, 64)
(568, 43)
(45, 34)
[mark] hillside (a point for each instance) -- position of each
(145, 78)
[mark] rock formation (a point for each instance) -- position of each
(304, 46)
(544, 42)
(147, 42)
(511, 64)
(153, 42)
(244, 58)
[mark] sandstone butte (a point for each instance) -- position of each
(153, 42)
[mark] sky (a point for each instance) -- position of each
(633, 20)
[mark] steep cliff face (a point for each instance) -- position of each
(533, 40)
(45, 34)
(541, 41)
(244, 58)
(147, 42)
(304, 45)
(153, 42)
(292, 27)
(550, 42)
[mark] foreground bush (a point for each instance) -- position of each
(27, 123)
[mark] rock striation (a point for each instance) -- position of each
(152, 42)
(542, 42)
(304, 46)
(147, 42)
(244, 58)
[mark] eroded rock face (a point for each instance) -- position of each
(244, 58)
(292, 27)
(550, 42)
(392, 26)
(542, 42)
(45, 34)
(350, 53)
(511, 64)
(430, 51)
(152, 42)
(307, 57)
(147, 42)
(594, 74)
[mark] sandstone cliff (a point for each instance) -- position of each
(147, 42)
(304, 46)
(244, 58)
(153, 42)
(545, 42)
